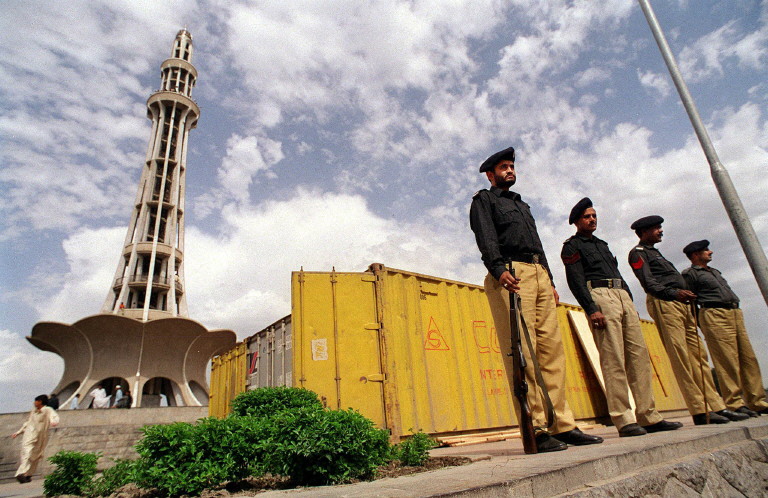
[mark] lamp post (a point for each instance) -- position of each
(733, 206)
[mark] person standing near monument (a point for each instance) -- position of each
(35, 439)
(506, 233)
(722, 323)
(100, 398)
(668, 302)
(593, 276)
(118, 395)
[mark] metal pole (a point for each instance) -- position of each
(733, 206)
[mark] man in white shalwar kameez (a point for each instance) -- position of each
(35, 431)
(100, 398)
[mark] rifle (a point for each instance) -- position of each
(519, 385)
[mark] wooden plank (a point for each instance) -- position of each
(580, 324)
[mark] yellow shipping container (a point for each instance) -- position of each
(419, 353)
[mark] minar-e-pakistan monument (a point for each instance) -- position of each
(142, 339)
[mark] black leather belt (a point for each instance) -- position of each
(611, 283)
(715, 304)
(527, 258)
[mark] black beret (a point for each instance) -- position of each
(579, 209)
(647, 222)
(694, 246)
(491, 162)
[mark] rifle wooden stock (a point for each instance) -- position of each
(519, 384)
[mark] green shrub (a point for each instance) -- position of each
(113, 478)
(269, 401)
(322, 446)
(415, 449)
(182, 458)
(73, 474)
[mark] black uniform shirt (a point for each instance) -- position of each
(709, 285)
(587, 258)
(504, 228)
(657, 275)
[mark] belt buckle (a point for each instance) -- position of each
(610, 283)
(535, 259)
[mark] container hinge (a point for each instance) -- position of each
(372, 326)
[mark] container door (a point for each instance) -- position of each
(336, 340)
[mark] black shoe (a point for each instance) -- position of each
(714, 418)
(663, 426)
(577, 438)
(545, 443)
(630, 430)
(743, 411)
(763, 411)
(21, 478)
(27, 479)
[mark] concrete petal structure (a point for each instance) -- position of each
(143, 340)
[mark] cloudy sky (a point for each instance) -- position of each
(342, 133)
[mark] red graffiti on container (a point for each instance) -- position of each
(435, 340)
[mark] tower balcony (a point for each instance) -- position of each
(164, 97)
(163, 250)
(158, 281)
(179, 63)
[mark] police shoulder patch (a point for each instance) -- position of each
(474, 196)
(573, 258)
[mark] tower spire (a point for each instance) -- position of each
(149, 281)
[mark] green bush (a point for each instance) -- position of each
(73, 474)
(268, 401)
(415, 449)
(113, 478)
(182, 458)
(315, 447)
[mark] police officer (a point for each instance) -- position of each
(667, 301)
(505, 231)
(722, 322)
(593, 277)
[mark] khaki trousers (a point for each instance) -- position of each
(735, 362)
(540, 315)
(687, 353)
(624, 360)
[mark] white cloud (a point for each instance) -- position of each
(246, 157)
(25, 372)
(658, 83)
(78, 291)
(707, 56)
(591, 75)
(239, 277)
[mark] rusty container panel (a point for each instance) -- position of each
(409, 351)
(443, 365)
(270, 356)
(337, 350)
(227, 379)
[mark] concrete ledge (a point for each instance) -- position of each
(614, 468)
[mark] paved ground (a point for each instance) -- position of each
(503, 468)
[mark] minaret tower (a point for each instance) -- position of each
(149, 281)
(143, 339)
